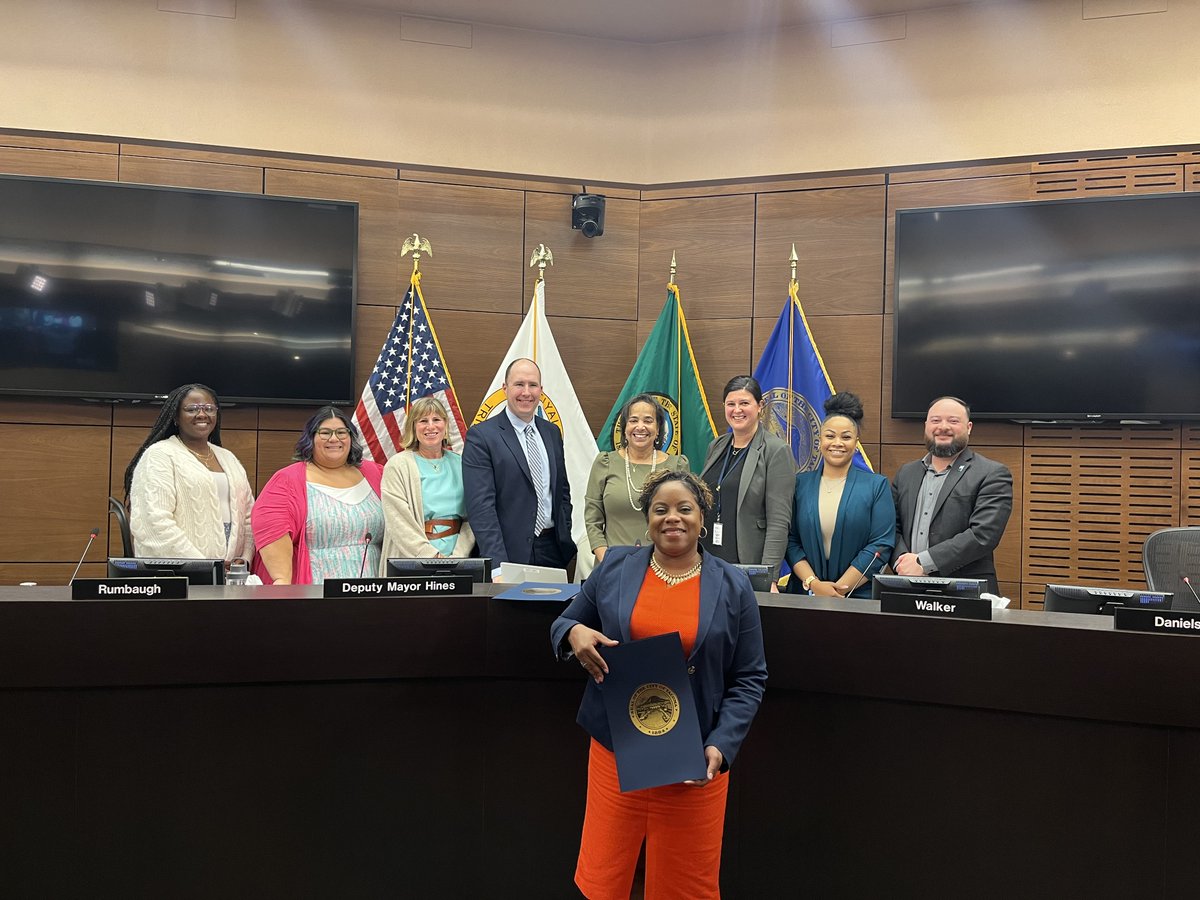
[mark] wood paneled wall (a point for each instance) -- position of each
(1085, 498)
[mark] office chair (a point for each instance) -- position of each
(1167, 556)
(117, 508)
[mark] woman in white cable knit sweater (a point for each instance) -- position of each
(188, 496)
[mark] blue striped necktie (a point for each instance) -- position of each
(533, 452)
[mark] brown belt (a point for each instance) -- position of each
(452, 526)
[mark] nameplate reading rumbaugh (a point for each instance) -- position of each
(169, 588)
(942, 606)
(403, 586)
(1158, 621)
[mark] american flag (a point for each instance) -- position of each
(410, 366)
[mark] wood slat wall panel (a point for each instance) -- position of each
(275, 450)
(183, 173)
(58, 164)
(1088, 512)
(591, 277)
(955, 173)
(262, 160)
(1111, 160)
(1122, 437)
(378, 230)
(1191, 177)
(54, 411)
(1117, 182)
(58, 493)
(838, 234)
(1190, 436)
(850, 347)
(1190, 514)
(476, 233)
(713, 239)
(53, 573)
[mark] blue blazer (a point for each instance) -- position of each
(501, 502)
(727, 667)
(866, 525)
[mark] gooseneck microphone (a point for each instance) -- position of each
(1188, 582)
(91, 537)
(366, 547)
(863, 576)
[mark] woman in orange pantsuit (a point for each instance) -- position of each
(637, 593)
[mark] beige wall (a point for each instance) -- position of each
(982, 81)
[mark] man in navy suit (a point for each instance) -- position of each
(515, 479)
(952, 506)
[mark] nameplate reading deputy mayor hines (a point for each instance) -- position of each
(402, 586)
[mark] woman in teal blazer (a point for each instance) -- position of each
(844, 519)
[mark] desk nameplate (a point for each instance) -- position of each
(1156, 621)
(401, 586)
(941, 606)
(129, 589)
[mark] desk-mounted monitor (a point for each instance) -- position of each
(196, 571)
(480, 570)
(1101, 601)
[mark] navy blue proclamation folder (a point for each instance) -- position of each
(648, 698)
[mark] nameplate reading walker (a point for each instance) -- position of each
(940, 606)
(418, 586)
(1158, 621)
(129, 589)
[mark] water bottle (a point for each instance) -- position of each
(238, 572)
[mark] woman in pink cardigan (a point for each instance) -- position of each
(320, 517)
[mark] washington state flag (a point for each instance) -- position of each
(666, 368)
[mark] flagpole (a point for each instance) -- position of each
(674, 288)
(416, 245)
(540, 258)
(793, 290)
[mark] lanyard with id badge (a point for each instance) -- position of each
(732, 459)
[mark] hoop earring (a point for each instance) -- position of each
(703, 532)
(647, 534)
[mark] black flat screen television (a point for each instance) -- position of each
(196, 571)
(480, 570)
(124, 292)
(1051, 310)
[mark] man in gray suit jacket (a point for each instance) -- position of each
(952, 505)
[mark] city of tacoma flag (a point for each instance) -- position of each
(560, 406)
(410, 366)
(666, 368)
(795, 386)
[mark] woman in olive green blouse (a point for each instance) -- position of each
(611, 512)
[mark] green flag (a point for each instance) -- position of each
(666, 368)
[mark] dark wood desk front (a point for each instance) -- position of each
(232, 746)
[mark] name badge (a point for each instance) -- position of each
(717, 531)
(129, 589)
(1158, 621)
(404, 586)
(940, 606)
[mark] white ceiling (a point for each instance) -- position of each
(650, 21)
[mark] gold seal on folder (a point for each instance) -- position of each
(654, 709)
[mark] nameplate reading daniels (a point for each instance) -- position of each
(129, 589)
(1159, 621)
(943, 606)
(404, 586)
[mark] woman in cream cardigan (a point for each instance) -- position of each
(424, 508)
(188, 496)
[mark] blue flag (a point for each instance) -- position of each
(795, 386)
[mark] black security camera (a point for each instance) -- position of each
(587, 214)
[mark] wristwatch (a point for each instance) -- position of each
(807, 582)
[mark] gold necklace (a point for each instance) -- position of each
(204, 459)
(672, 580)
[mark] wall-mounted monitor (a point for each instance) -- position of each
(1051, 310)
(123, 292)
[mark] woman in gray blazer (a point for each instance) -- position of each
(752, 476)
